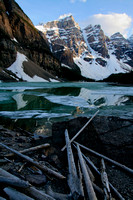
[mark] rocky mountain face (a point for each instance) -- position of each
(66, 41)
(88, 52)
(18, 34)
(120, 44)
(130, 40)
(97, 40)
(123, 48)
(59, 49)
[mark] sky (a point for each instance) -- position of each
(113, 15)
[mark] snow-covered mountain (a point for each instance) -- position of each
(66, 42)
(89, 52)
(65, 33)
(59, 50)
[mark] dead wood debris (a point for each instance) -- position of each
(32, 176)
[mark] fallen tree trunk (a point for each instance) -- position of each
(127, 169)
(45, 169)
(89, 187)
(73, 180)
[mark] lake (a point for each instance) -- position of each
(29, 105)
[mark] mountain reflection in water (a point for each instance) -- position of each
(45, 103)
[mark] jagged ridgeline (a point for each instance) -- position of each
(59, 50)
(97, 56)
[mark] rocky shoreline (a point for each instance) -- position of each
(110, 136)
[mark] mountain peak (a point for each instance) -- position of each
(119, 40)
(90, 26)
(75, 54)
(66, 17)
(68, 21)
(117, 35)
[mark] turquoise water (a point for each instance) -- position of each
(37, 104)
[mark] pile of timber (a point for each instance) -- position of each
(23, 173)
(83, 178)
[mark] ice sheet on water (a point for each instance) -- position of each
(91, 99)
(52, 115)
(19, 89)
(115, 91)
(103, 98)
(68, 100)
(60, 99)
(30, 114)
(19, 114)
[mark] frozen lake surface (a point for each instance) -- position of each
(41, 102)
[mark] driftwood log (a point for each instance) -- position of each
(73, 180)
(96, 188)
(45, 169)
(114, 190)
(31, 149)
(81, 130)
(90, 173)
(80, 178)
(58, 196)
(89, 187)
(105, 182)
(11, 182)
(91, 164)
(127, 169)
(15, 195)
(31, 191)
(37, 194)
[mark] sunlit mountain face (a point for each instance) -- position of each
(88, 51)
(60, 50)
